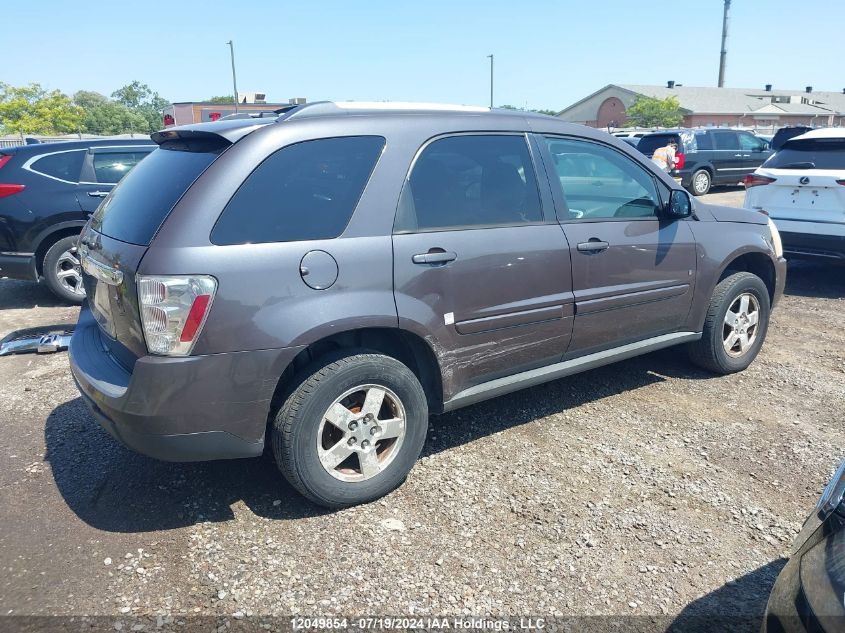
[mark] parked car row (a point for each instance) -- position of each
(47, 193)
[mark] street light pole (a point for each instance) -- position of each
(491, 81)
(234, 79)
(723, 55)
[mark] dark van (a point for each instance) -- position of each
(709, 157)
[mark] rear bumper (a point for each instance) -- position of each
(814, 245)
(18, 266)
(194, 408)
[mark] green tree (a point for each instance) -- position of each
(651, 112)
(142, 100)
(104, 116)
(32, 110)
(221, 99)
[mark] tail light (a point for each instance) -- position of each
(173, 311)
(755, 180)
(679, 160)
(840, 182)
(7, 189)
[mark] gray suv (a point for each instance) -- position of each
(320, 283)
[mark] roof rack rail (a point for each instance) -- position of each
(318, 108)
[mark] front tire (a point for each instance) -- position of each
(62, 270)
(700, 182)
(735, 326)
(351, 430)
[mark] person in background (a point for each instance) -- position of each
(664, 157)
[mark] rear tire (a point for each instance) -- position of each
(735, 326)
(700, 182)
(351, 429)
(62, 271)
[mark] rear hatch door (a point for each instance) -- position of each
(809, 181)
(119, 234)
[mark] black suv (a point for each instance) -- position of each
(710, 156)
(47, 193)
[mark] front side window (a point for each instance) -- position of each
(62, 165)
(305, 191)
(599, 183)
(471, 181)
(750, 143)
(110, 167)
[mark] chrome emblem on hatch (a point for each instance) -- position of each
(804, 180)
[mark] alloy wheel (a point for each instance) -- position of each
(741, 325)
(361, 433)
(69, 272)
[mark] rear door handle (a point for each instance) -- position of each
(436, 257)
(594, 245)
(98, 194)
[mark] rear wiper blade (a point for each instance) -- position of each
(801, 165)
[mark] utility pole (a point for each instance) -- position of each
(491, 81)
(724, 54)
(234, 79)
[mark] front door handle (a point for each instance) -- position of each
(98, 194)
(594, 245)
(434, 256)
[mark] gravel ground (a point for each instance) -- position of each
(643, 488)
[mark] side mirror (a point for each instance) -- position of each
(680, 205)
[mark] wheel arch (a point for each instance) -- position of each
(406, 347)
(52, 235)
(754, 262)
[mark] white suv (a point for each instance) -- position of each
(802, 188)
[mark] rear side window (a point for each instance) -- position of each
(64, 165)
(112, 166)
(725, 139)
(820, 153)
(306, 191)
(136, 207)
(648, 144)
(470, 181)
(704, 140)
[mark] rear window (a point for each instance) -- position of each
(64, 165)
(648, 144)
(112, 166)
(305, 191)
(819, 153)
(136, 207)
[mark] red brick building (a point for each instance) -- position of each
(725, 107)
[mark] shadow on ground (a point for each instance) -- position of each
(824, 280)
(112, 488)
(16, 295)
(732, 608)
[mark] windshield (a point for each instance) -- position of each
(816, 153)
(136, 207)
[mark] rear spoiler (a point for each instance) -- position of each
(218, 133)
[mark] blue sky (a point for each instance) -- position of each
(547, 54)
